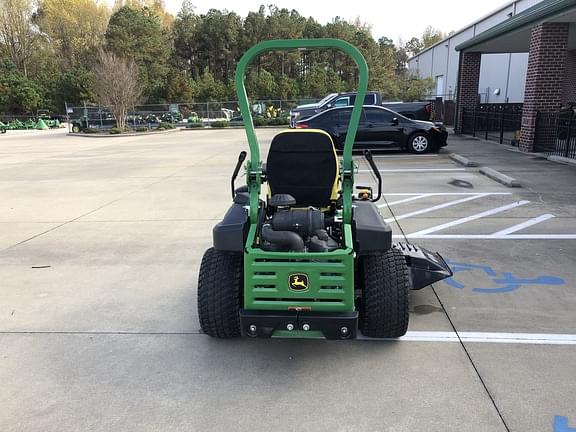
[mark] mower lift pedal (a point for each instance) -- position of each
(425, 267)
(263, 323)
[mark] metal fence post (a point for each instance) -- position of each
(486, 123)
(501, 127)
(474, 122)
(568, 137)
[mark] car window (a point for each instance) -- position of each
(344, 101)
(370, 99)
(328, 117)
(344, 117)
(379, 116)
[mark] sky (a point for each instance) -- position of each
(395, 19)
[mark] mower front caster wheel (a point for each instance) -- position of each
(219, 288)
(385, 280)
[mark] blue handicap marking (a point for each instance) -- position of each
(502, 282)
(561, 424)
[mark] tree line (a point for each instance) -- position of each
(51, 50)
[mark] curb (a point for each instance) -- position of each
(562, 160)
(499, 177)
(133, 134)
(463, 160)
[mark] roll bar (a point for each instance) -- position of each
(253, 166)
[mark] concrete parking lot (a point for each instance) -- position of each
(100, 243)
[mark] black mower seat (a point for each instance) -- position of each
(303, 163)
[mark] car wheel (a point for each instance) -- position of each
(75, 128)
(419, 143)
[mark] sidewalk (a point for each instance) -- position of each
(533, 171)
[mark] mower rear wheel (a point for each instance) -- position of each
(385, 280)
(219, 290)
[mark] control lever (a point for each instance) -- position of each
(370, 159)
(241, 158)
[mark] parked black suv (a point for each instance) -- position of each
(379, 128)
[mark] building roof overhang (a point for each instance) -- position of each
(513, 35)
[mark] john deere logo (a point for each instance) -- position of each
(298, 282)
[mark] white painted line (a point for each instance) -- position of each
(482, 337)
(488, 236)
(447, 193)
(523, 225)
(467, 219)
(401, 156)
(436, 207)
(413, 170)
(405, 200)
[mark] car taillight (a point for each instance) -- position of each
(428, 108)
(302, 125)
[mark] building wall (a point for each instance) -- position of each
(569, 94)
(504, 71)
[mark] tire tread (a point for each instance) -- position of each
(384, 302)
(219, 293)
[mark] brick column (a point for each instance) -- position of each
(544, 82)
(570, 78)
(468, 82)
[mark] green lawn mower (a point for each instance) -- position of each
(310, 259)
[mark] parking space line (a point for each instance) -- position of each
(447, 193)
(461, 221)
(488, 236)
(523, 225)
(437, 207)
(401, 156)
(405, 200)
(485, 337)
(413, 170)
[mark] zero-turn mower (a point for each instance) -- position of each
(310, 258)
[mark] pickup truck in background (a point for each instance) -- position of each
(412, 110)
(333, 100)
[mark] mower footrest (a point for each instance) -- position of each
(425, 267)
(333, 325)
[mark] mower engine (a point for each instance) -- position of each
(297, 229)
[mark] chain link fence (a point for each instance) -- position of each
(178, 114)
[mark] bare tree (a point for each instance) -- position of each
(117, 85)
(18, 36)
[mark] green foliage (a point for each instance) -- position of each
(431, 36)
(262, 84)
(207, 89)
(179, 88)
(188, 58)
(417, 89)
(165, 126)
(91, 130)
(141, 129)
(73, 86)
(278, 121)
(116, 131)
(139, 34)
(259, 121)
(195, 125)
(18, 94)
(220, 124)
